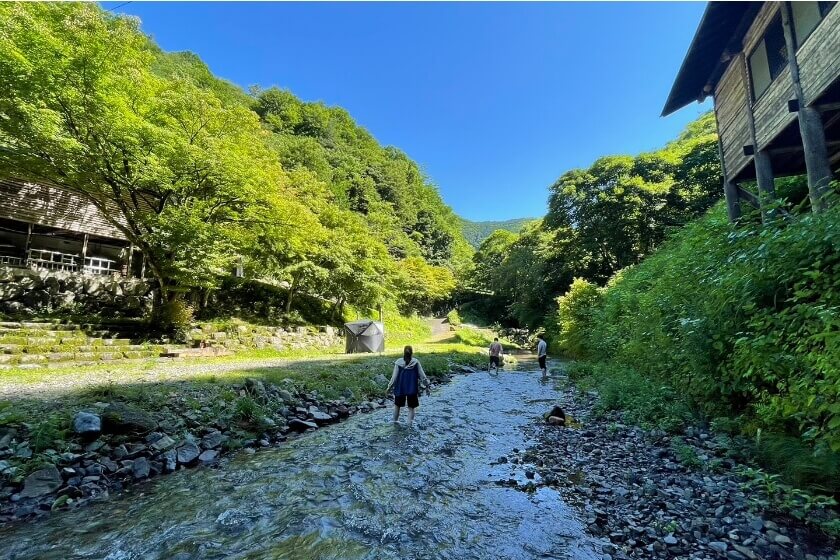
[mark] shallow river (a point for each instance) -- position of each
(363, 489)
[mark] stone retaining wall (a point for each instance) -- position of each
(242, 336)
(32, 293)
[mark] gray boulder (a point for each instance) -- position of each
(140, 468)
(87, 424)
(118, 418)
(299, 425)
(188, 453)
(41, 482)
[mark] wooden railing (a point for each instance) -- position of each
(65, 262)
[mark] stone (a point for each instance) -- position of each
(670, 540)
(41, 482)
(299, 425)
(163, 443)
(188, 453)
(212, 440)
(87, 424)
(119, 418)
(140, 468)
(556, 421)
(208, 456)
(169, 460)
(718, 546)
(321, 418)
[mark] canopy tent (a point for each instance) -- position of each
(364, 336)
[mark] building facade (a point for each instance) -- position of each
(47, 227)
(773, 69)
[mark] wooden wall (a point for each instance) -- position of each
(771, 111)
(819, 57)
(52, 206)
(731, 108)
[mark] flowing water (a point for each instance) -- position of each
(363, 489)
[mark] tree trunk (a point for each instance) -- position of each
(292, 287)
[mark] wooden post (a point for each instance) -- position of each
(28, 245)
(130, 260)
(84, 252)
(730, 191)
(810, 126)
(761, 159)
(142, 267)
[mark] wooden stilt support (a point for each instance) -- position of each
(84, 253)
(810, 126)
(28, 245)
(730, 191)
(761, 158)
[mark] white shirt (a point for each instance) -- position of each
(542, 348)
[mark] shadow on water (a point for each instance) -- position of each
(364, 489)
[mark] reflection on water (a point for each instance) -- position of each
(364, 489)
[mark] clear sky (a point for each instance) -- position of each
(493, 100)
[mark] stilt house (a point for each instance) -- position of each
(47, 227)
(773, 69)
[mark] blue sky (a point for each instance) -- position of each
(493, 100)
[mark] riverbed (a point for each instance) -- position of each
(363, 489)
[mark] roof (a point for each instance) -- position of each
(720, 24)
(54, 206)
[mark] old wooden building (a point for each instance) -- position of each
(47, 227)
(773, 69)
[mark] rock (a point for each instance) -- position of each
(286, 396)
(208, 456)
(299, 425)
(718, 546)
(163, 443)
(169, 460)
(87, 424)
(321, 418)
(41, 482)
(118, 418)
(140, 468)
(556, 421)
(212, 440)
(670, 540)
(188, 453)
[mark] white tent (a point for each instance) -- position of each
(364, 336)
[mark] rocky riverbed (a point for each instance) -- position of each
(636, 495)
(114, 444)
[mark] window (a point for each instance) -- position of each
(806, 17)
(769, 58)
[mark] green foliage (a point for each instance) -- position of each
(643, 401)
(574, 316)
(767, 491)
(454, 318)
(745, 322)
(685, 453)
(477, 232)
(201, 176)
(600, 220)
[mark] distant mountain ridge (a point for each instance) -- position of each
(476, 232)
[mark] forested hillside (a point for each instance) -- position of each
(477, 232)
(204, 174)
(600, 220)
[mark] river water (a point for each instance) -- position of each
(363, 489)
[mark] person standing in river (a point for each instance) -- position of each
(542, 354)
(406, 382)
(496, 352)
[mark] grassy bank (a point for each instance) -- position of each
(192, 395)
(739, 327)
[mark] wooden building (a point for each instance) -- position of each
(773, 69)
(47, 227)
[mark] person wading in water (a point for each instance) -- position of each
(496, 352)
(406, 382)
(542, 352)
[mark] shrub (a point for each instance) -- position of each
(454, 318)
(745, 321)
(574, 317)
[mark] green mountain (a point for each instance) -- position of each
(476, 232)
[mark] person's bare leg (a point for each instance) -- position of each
(396, 414)
(410, 416)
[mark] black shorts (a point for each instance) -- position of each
(494, 360)
(413, 400)
(542, 362)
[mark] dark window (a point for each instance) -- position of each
(769, 57)
(807, 16)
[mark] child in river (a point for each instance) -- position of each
(406, 382)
